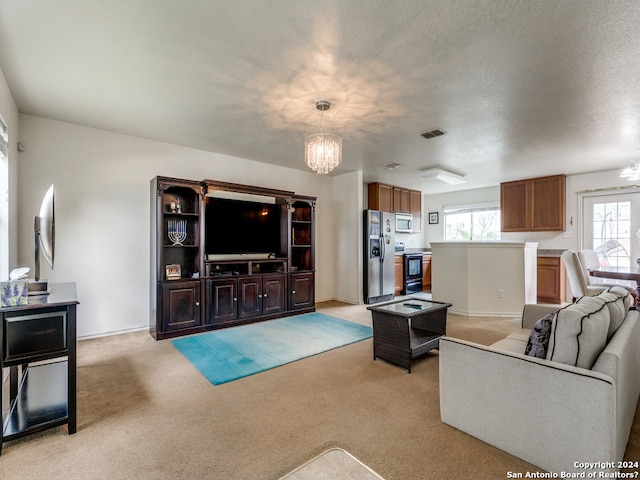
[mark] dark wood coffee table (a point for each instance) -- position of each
(406, 329)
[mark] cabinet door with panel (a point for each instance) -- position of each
(548, 203)
(415, 208)
(302, 291)
(551, 280)
(401, 200)
(380, 197)
(249, 297)
(180, 305)
(399, 274)
(426, 272)
(514, 206)
(273, 296)
(222, 298)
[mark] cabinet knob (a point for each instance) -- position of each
(293, 291)
(235, 299)
(260, 295)
(197, 304)
(265, 295)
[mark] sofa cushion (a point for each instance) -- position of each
(618, 301)
(538, 342)
(510, 344)
(579, 332)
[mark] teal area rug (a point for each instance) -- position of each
(232, 353)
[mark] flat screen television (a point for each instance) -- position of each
(241, 227)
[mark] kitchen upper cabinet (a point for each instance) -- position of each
(401, 200)
(389, 198)
(536, 204)
(381, 197)
(415, 201)
(514, 205)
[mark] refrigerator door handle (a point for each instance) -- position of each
(382, 248)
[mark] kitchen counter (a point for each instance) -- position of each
(541, 252)
(550, 253)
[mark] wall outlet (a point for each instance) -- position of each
(500, 293)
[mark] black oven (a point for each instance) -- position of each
(412, 273)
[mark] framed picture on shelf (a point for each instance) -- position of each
(174, 272)
(433, 218)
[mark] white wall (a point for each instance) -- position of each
(347, 221)
(9, 185)
(484, 278)
(102, 211)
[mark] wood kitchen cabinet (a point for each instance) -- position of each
(536, 204)
(426, 272)
(514, 205)
(390, 198)
(401, 200)
(415, 201)
(551, 279)
(399, 273)
(380, 197)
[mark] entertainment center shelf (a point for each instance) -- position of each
(247, 267)
(226, 254)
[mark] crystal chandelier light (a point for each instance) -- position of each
(632, 172)
(322, 151)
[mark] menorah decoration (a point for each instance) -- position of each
(177, 231)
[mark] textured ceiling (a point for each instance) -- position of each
(522, 87)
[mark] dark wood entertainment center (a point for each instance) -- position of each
(194, 290)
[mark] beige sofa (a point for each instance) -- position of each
(574, 406)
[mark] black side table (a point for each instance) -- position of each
(406, 329)
(41, 396)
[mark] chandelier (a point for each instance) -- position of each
(632, 172)
(322, 151)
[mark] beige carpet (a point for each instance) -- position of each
(144, 412)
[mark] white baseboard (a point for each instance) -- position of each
(116, 332)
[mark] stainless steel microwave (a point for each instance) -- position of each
(404, 222)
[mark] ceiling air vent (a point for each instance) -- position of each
(436, 132)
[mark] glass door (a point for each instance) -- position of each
(612, 227)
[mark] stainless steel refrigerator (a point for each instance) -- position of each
(379, 252)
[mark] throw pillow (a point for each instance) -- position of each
(539, 337)
(579, 333)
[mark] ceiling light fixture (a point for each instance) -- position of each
(322, 151)
(632, 172)
(391, 166)
(442, 175)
